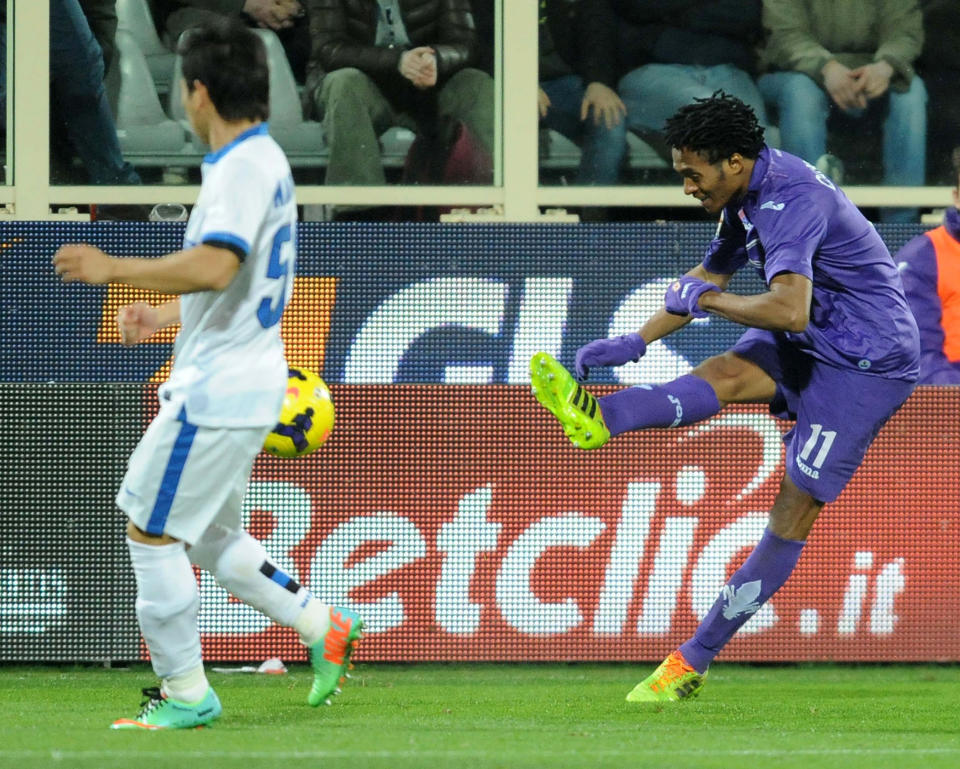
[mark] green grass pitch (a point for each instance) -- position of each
(511, 716)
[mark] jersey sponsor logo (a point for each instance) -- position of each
(769, 204)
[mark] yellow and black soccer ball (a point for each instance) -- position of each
(306, 419)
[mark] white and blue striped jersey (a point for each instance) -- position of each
(229, 368)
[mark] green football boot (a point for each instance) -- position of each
(158, 711)
(577, 410)
(673, 681)
(330, 656)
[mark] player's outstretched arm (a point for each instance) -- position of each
(631, 347)
(200, 268)
(140, 320)
(663, 323)
(785, 307)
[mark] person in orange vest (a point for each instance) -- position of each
(930, 268)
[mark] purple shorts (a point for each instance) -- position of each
(838, 411)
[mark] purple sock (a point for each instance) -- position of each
(761, 575)
(681, 402)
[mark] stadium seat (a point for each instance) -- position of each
(147, 136)
(134, 17)
(302, 140)
(395, 143)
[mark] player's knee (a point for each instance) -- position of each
(238, 561)
(159, 609)
(730, 378)
(794, 511)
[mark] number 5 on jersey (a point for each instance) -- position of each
(282, 258)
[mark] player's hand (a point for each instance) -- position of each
(419, 66)
(843, 87)
(79, 262)
(873, 80)
(608, 352)
(683, 296)
(137, 321)
(543, 103)
(605, 104)
(273, 14)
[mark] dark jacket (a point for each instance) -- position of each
(102, 18)
(584, 35)
(700, 32)
(343, 33)
(172, 17)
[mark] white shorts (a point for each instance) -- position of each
(181, 478)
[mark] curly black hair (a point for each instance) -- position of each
(716, 128)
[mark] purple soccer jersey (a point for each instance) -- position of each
(794, 219)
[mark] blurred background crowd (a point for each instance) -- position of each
(374, 92)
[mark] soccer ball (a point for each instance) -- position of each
(306, 418)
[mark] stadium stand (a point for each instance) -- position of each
(135, 18)
(147, 136)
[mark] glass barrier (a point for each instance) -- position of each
(345, 115)
(611, 72)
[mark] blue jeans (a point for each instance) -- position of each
(78, 97)
(804, 108)
(602, 148)
(654, 92)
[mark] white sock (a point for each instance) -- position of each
(187, 687)
(313, 622)
(240, 565)
(167, 607)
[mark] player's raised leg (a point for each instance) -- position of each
(589, 422)
(577, 410)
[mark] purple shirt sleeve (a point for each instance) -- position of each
(726, 253)
(792, 235)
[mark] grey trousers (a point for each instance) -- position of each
(355, 112)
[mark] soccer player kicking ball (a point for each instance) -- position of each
(186, 479)
(832, 344)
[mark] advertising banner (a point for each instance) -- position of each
(464, 526)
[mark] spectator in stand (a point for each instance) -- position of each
(940, 66)
(675, 51)
(78, 99)
(855, 57)
(285, 17)
(930, 269)
(578, 81)
(381, 63)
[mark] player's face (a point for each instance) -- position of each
(192, 101)
(713, 184)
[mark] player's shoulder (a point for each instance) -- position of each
(791, 187)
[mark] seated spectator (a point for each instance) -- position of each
(678, 52)
(577, 81)
(78, 100)
(853, 57)
(381, 63)
(285, 17)
(930, 268)
(940, 66)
